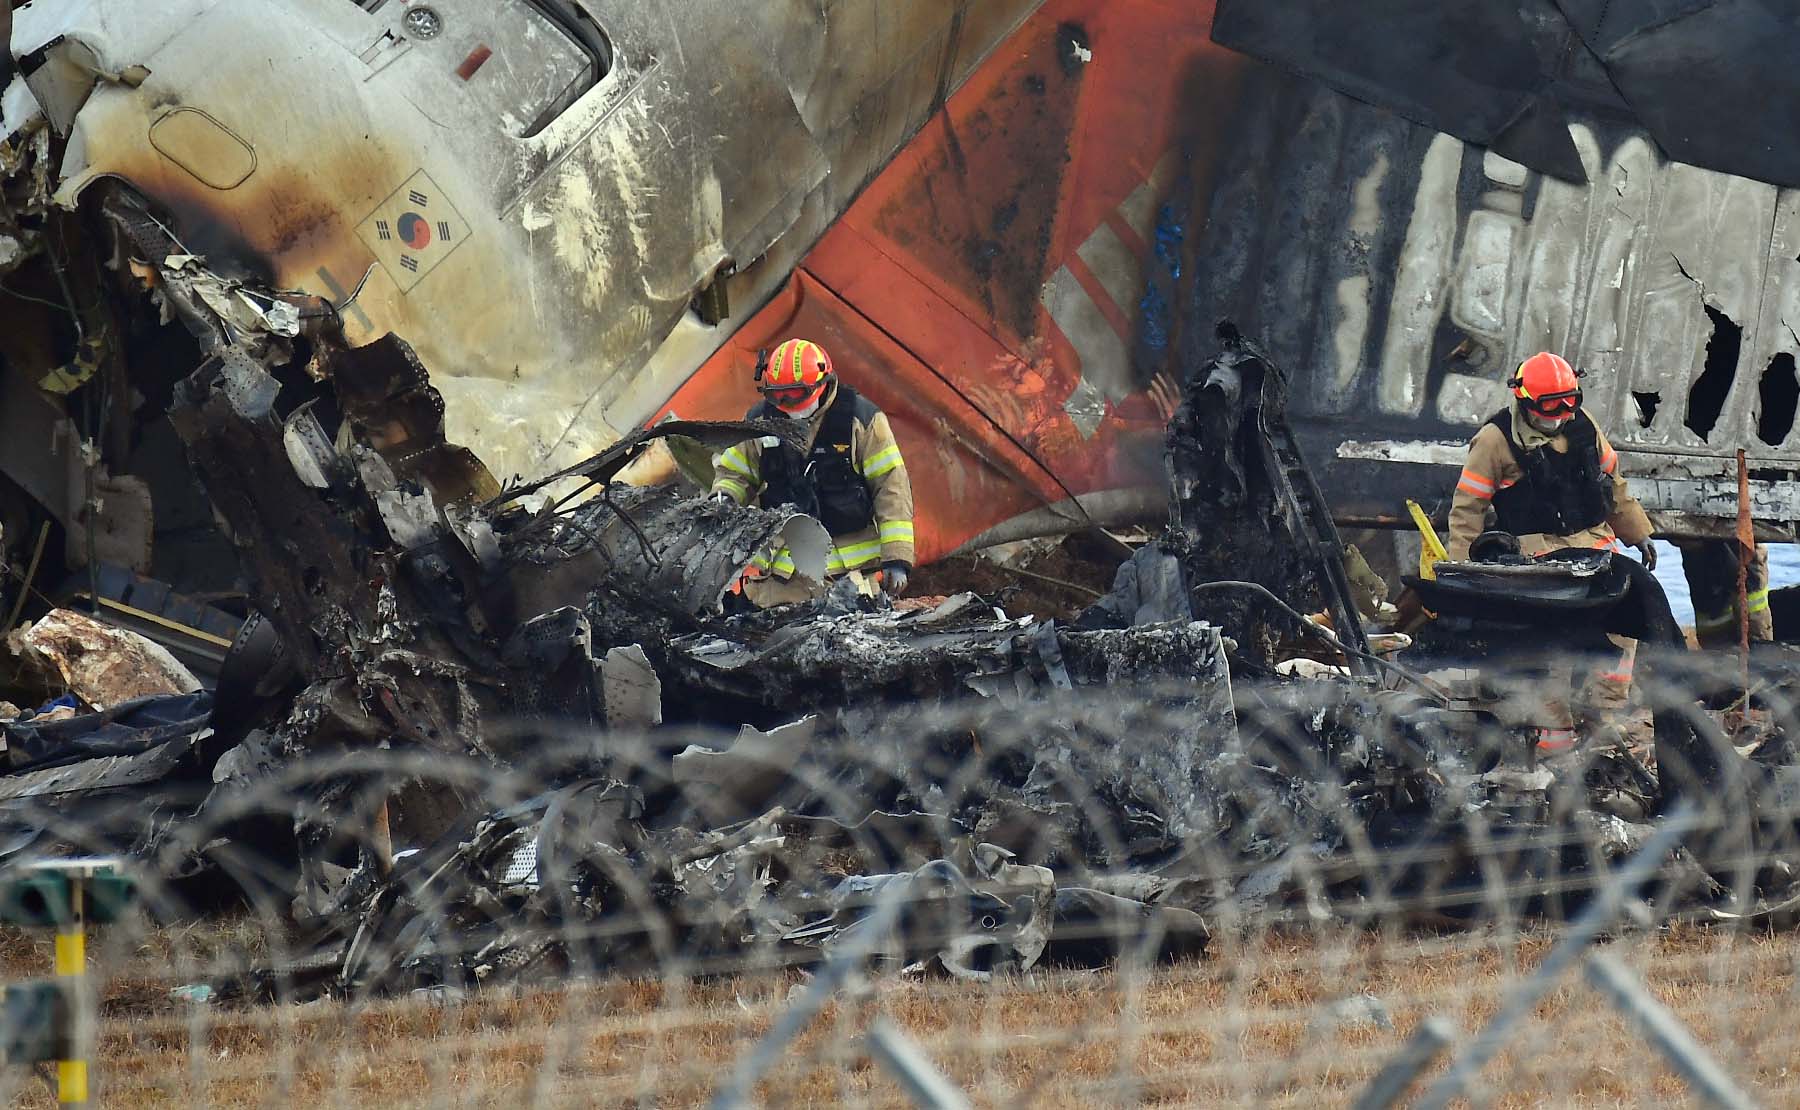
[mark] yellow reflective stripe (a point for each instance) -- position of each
(1759, 602)
(780, 563)
(892, 530)
(882, 462)
(738, 490)
(733, 459)
(843, 558)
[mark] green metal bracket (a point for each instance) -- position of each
(40, 900)
(109, 897)
(42, 896)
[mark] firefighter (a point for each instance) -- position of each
(851, 477)
(1548, 472)
(1711, 570)
(1551, 478)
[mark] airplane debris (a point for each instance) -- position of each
(101, 665)
(478, 730)
(710, 780)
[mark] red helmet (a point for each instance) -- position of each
(796, 374)
(1547, 385)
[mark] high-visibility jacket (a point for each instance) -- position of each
(1711, 569)
(873, 453)
(1492, 466)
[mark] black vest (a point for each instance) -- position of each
(825, 482)
(1559, 492)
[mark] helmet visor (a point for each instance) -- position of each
(1553, 405)
(791, 396)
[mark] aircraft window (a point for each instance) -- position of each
(1780, 395)
(525, 61)
(1706, 399)
(585, 34)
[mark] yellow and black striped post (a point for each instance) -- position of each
(55, 1020)
(71, 973)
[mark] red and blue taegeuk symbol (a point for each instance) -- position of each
(414, 231)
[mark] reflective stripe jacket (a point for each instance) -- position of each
(737, 473)
(1711, 569)
(1491, 466)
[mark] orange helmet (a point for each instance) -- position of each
(1547, 385)
(795, 375)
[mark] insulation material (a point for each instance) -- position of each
(102, 665)
(633, 694)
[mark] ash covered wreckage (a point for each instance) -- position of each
(457, 730)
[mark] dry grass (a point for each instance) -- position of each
(1274, 1020)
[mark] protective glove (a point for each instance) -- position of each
(1648, 550)
(893, 578)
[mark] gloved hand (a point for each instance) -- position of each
(893, 578)
(1648, 550)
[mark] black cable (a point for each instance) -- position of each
(32, 299)
(1436, 691)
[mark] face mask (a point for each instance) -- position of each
(810, 408)
(1545, 424)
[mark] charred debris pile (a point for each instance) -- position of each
(476, 733)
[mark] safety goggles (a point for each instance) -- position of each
(1554, 404)
(789, 396)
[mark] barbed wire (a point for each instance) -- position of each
(1249, 891)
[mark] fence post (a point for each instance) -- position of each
(71, 972)
(1427, 1043)
(1609, 897)
(751, 1066)
(904, 1060)
(53, 1020)
(1664, 1030)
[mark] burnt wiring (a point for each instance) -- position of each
(557, 505)
(34, 300)
(1436, 691)
(643, 540)
(558, 512)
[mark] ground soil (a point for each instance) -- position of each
(1056, 583)
(1276, 1019)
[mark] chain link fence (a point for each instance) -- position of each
(1274, 892)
